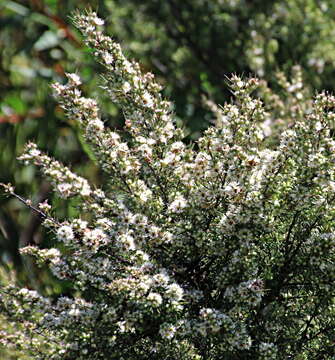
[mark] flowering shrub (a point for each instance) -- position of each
(221, 250)
(195, 44)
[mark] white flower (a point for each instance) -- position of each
(65, 234)
(202, 161)
(65, 189)
(177, 147)
(128, 67)
(95, 125)
(167, 237)
(79, 224)
(147, 100)
(167, 331)
(232, 188)
(122, 326)
(136, 79)
(35, 153)
(267, 347)
(145, 149)
(85, 190)
(74, 312)
(318, 126)
(98, 21)
(126, 87)
(29, 295)
(127, 241)
(145, 195)
(240, 84)
(170, 158)
(74, 79)
(161, 279)
(58, 89)
(95, 237)
(51, 253)
(174, 292)
(178, 204)
(107, 57)
(44, 206)
(87, 103)
(155, 299)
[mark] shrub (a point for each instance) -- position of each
(191, 45)
(194, 44)
(220, 250)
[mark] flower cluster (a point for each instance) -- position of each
(222, 250)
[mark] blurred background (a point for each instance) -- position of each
(192, 46)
